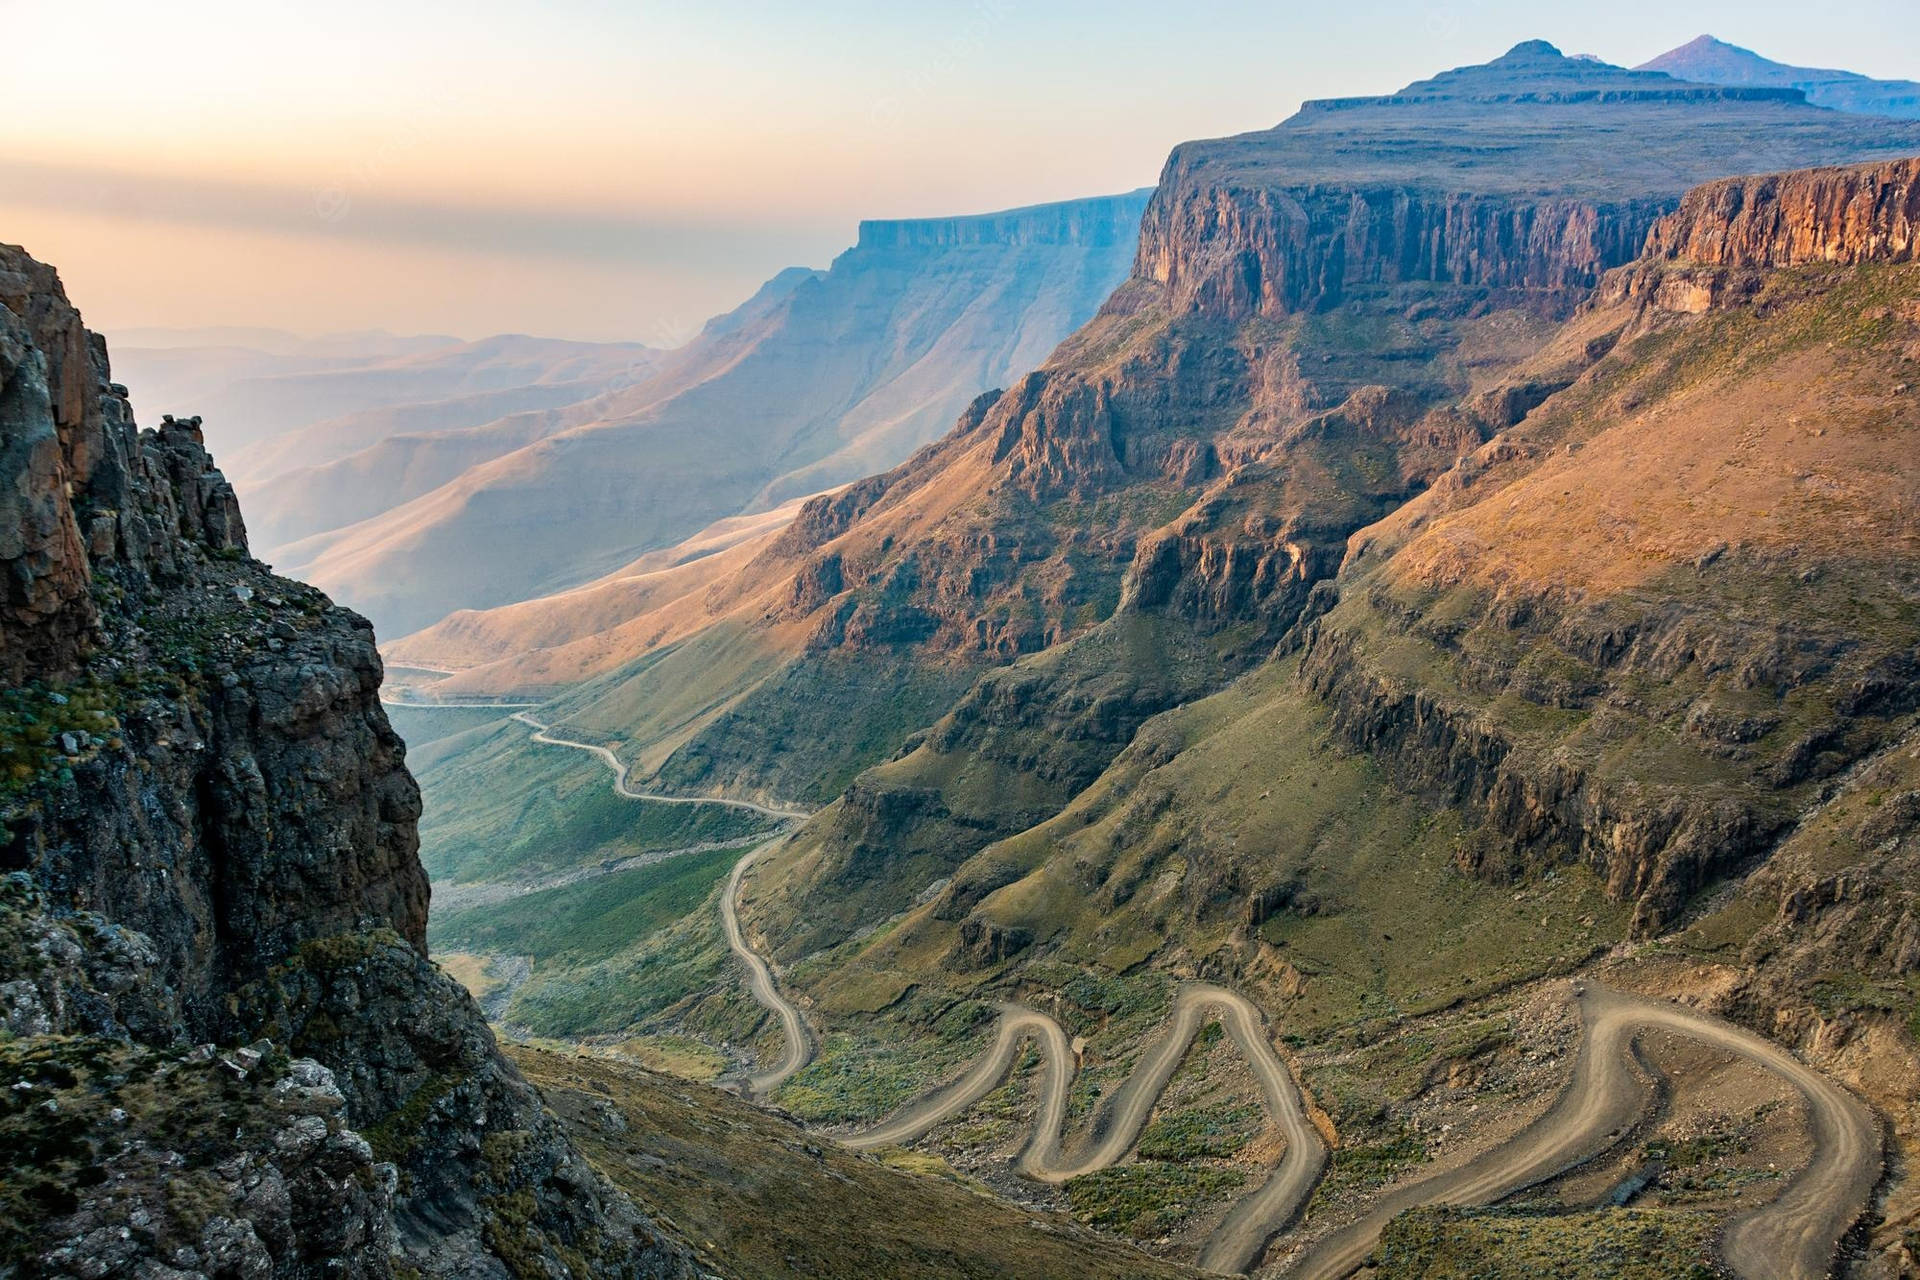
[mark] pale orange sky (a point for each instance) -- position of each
(586, 168)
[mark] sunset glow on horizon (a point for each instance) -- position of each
(608, 171)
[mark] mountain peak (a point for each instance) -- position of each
(1538, 72)
(1529, 51)
(1714, 61)
(1710, 60)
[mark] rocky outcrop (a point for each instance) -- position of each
(81, 487)
(210, 831)
(1359, 193)
(1863, 213)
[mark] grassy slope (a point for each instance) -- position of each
(1018, 747)
(1235, 795)
(559, 812)
(1615, 1244)
(1686, 586)
(589, 920)
(762, 1201)
(1243, 838)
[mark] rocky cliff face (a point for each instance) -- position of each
(81, 490)
(1272, 253)
(210, 842)
(1851, 215)
(1764, 708)
(1104, 221)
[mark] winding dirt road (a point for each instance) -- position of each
(1792, 1238)
(543, 734)
(766, 992)
(1116, 1126)
(1235, 1244)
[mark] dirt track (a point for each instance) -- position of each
(543, 734)
(1792, 1238)
(799, 1050)
(1235, 1244)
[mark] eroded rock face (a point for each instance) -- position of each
(210, 835)
(1749, 251)
(1865, 213)
(82, 490)
(1349, 194)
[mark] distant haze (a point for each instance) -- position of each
(622, 171)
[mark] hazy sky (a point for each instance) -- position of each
(587, 168)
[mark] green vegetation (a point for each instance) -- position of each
(858, 1079)
(628, 991)
(774, 1203)
(1496, 1244)
(591, 919)
(395, 1135)
(35, 718)
(1211, 1132)
(1364, 1165)
(505, 807)
(1150, 1198)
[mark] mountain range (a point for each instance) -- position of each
(484, 473)
(1391, 747)
(1467, 551)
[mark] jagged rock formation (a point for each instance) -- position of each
(210, 840)
(1710, 61)
(1852, 215)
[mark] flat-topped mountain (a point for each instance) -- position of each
(1710, 61)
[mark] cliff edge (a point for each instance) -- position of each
(226, 1051)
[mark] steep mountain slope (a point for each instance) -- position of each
(1655, 637)
(1709, 61)
(210, 837)
(848, 372)
(1320, 320)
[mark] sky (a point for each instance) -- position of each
(621, 171)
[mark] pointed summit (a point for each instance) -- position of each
(1708, 60)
